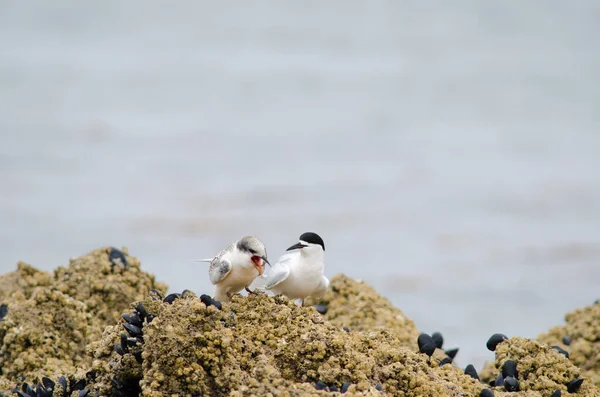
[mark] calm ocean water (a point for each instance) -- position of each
(448, 153)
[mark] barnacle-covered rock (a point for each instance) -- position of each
(354, 304)
(46, 333)
(582, 334)
(48, 319)
(262, 344)
(24, 280)
(538, 366)
(106, 289)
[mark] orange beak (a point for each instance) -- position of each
(259, 262)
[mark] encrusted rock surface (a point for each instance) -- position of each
(70, 323)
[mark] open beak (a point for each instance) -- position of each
(296, 246)
(258, 265)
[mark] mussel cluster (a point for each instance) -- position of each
(47, 386)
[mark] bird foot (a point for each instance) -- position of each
(249, 290)
(230, 295)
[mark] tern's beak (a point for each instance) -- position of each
(296, 246)
(264, 258)
(258, 265)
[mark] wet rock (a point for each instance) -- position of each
(438, 339)
(495, 340)
(426, 344)
(471, 371)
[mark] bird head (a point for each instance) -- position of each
(256, 251)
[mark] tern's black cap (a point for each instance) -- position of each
(312, 238)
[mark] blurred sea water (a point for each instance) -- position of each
(447, 152)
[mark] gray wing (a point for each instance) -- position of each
(218, 270)
(280, 272)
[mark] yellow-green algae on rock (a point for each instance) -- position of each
(51, 317)
(583, 328)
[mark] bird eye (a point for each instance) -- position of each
(253, 252)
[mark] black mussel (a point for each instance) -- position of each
(141, 310)
(84, 392)
(133, 318)
(451, 352)
(471, 371)
(445, 360)
(426, 344)
(346, 329)
(117, 258)
(499, 380)
(511, 384)
(566, 340)
(132, 329)
(495, 340)
(79, 385)
(150, 318)
(320, 386)
(333, 388)
(486, 393)
(28, 389)
(557, 393)
(124, 343)
(132, 341)
(48, 383)
(119, 349)
(171, 297)
(206, 299)
(379, 387)
(438, 339)
(217, 304)
(62, 381)
(509, 368)
(345, 387)
(3, 311)
(155, 294)
(561, 351)
(574, 385)
(138, 356)
(321, 309)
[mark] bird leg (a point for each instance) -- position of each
(302, 303)
(249, 290)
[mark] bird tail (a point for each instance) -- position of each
(207, 260)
